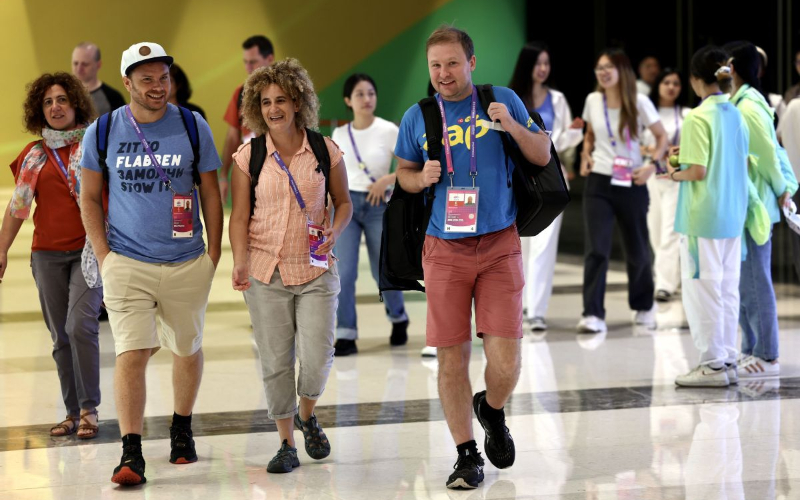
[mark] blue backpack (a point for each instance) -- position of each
(189, 122)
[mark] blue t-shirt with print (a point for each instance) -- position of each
(496, 207)
(139, 205)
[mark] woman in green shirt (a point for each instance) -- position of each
(758, 315)
(712, 206)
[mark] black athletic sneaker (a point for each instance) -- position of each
(468, 472)
(498, 445)
(399, 333)
(285, 461)
(344, 347)
(130, 470)
(180, 439)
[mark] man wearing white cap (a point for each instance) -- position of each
(155, 158)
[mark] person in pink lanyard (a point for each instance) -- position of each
(615, 189)
(47, 171)
(666, 95)
(282, 245)
(368, 144)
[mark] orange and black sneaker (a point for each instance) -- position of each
(130, 470)
(180, 439)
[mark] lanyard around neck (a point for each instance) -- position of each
(62, 167)
(292, 183)
(608, 127)
(361, 163)
(146, 145)
(473, 159)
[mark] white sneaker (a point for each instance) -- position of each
(755, 367)
(538, 324)
(704, 376)
(645, 318)
(591, 324)
(731, 370)
(428, 352)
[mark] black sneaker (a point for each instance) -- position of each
(130, 470)
(180, 439)
(399, 333)
(317, 444)
(285, 461)
(663, 296)
(498, 445)
(344, 347)
(468, 472)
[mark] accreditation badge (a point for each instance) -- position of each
(315, 239)
(461, 210)
(182, 220)
(622, 172)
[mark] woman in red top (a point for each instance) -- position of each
(57, 108)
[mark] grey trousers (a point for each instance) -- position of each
(70, 311)
(293, 322)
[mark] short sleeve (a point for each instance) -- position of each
(407, 147)
(587, 109)
(242, 158)
(209, 158)
(89, 157)
(648, 114)
(232, 112)
(695, 142)
(516, 107)
(392, 132)
(334, 152)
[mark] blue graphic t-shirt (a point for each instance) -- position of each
(139, 205)
(496, 207)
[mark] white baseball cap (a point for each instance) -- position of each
(141, 53)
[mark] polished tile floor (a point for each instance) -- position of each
(593, 417)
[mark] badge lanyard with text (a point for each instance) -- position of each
(314, 231)
(361, 164)
(622, 168)
(63, 171)
(182, 219)
(461, 209)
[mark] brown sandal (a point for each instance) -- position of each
(68, 430)
(86, 426)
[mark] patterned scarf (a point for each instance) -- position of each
(28, 177)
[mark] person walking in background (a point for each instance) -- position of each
(616, 188)
(531, 83)
(368, 141)
(667, 96)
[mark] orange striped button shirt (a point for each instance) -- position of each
(277, 234)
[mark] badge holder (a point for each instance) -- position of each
(182, 220)
(316, 238)
(461, 209)
(622, 172)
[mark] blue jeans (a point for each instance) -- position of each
(758, 310)
(367, 219)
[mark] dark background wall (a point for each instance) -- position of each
(672, 31)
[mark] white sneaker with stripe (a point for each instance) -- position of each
(755, 367)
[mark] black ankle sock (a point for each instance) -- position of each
(490, 414)
(468, 448)
(181, 421)
(132, 440)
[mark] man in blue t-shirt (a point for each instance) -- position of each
(472, 249)
(152, 257)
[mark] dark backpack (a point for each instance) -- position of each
(189, 122)
(541, 195)
(258, 155)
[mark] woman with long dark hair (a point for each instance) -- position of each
(758, 314)
(47, 171)
(531, 83)
(666, 95)
(616, 188)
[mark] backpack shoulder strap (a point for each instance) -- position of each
(320, 149)
(103, 130)
(190, 123)
(239, 99)
(258, 155)
(433, 126)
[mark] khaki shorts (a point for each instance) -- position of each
(136, 292)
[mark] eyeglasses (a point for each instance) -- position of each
(607, 67)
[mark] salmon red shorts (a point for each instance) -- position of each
(487, 267)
